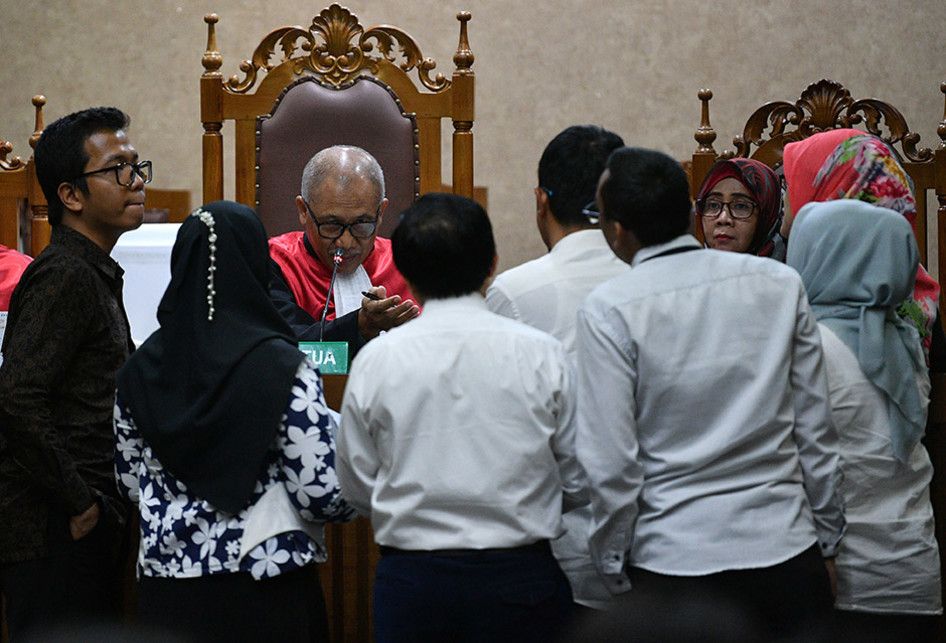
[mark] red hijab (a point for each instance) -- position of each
(762, 183)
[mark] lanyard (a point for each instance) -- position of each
(671, 251)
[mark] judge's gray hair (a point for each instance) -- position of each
(341, 163)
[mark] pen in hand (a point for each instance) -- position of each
(371, 295)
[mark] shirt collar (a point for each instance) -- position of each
(683, 241)
(76, 243)
(451, 304)
(579, 241)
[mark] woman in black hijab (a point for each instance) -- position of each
(224, 442)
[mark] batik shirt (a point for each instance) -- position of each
(66, 337)
(184, 536)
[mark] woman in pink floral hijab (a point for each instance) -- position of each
(849, 164)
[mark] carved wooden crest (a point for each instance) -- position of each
(9, 164)
(338, 48)
(827, 105)
(6, 147)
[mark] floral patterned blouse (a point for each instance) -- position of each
(183, 536)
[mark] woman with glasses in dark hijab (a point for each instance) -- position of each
(224, 442)
(739, 208)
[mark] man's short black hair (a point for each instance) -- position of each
(647, 193)
(570, 168)
(60, 153)
(444, 246)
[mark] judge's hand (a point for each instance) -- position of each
(385, 313)
(82, 524)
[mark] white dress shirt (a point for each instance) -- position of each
(546, 293)
(703, 419)
(888, 561)
(457, 432)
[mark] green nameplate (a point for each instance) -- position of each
(330, 357)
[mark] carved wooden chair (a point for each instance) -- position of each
(308, 88)
(335, 82)
(21, 198)
(826, 105)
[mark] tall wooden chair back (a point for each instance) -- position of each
(23, 223)
(827, 105)
(335, 82)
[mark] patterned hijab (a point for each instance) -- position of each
(763, 184)
(855, 287)
(849, 164)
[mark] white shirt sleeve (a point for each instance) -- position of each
(357, 462)
(814, 431)
(607, 445)
(574, 485)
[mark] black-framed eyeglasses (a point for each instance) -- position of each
(332, 230)
(125, 172)
(591, 212)
(712, 207)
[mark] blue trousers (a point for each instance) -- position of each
(492, 595)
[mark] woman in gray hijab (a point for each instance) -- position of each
(858, 262)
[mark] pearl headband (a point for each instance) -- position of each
(208, 219)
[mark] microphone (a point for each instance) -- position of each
(336, 262)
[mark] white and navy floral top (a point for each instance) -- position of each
(183, 536)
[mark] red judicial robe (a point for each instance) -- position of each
(308, 277)
(12, 265)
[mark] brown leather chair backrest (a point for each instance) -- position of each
(310, 116)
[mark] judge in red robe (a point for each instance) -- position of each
(340, 208)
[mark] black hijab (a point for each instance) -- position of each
(208, 395)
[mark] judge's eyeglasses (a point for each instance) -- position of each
(361, 229)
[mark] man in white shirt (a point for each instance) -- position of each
(457, 439)
(546, 292)
(704, 425)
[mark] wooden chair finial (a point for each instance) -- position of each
(211, 60)
(6, 147)
(38, 125)
(463, 59)
(705, 134)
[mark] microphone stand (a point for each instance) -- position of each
(336, 261)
